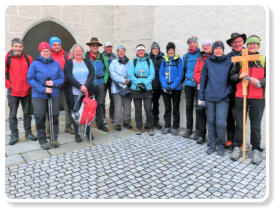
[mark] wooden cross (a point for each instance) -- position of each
(166, 74)
(141, 73)
(244, 59)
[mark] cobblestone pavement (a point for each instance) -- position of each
(138, 167)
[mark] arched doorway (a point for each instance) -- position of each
(42, 32)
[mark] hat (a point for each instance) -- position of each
(140, 47)
(94, 41)
(155, 44)
(121, 47)
(169, 46)
(236, 35)
(207, 42)
(108, 43)
(218, 44)
(253, 39)
(193, 38)
(53, 40)
(43, 45)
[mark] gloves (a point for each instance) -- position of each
(141, 87)
(167, 90)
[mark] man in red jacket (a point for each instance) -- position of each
(58, 54)
(16, 68)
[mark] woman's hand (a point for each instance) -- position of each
(49, 83)
(242, 75)
(255, 81)
(48, 90)
(199, 103)
(83, 88)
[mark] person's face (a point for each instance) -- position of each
(218, 51)
(155, 51)
(17, 48)
(171, 52)
(207, 48)
(56, 47)
(237, 44)
(253, 47)
(94, 48)
(46, 53)
(121, 53)
(78, 53)
(141, 53)
(193, 45)
(108, 49)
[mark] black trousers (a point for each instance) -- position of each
(40, 107)
(155, 102)
(107, 87)
(190, 94)
(148, 111)
(175, 98)
(13, 103)
(99, 93)
(230, 119)
(255, 107)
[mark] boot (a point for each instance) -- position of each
(139, 132)
(211, 150)
(174, 132)
(45, 145)
(187, 133)
(194, 136)
(221, 150)
(118, 128)
(103, 128)
(55, 143)
(236, 153)
(13, 140)
(201, 140)
(30, 136)
(256, 157)
(165, 131)
(128, 126)
(78, 138)
(157, 125)
(151, 132)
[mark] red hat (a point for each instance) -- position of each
(43, 45)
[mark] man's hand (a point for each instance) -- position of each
(49, 83)
(83, 88)
(48, 90)
(255, 81)
(242, 75)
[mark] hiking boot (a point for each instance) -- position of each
(157, 126)
(55, 144)
(139, 132)
(103, 128)
(201, 140)
(69, 130)
(165, 131)
(210, 150)
(174, 132)
(13, 140)
(228, 143)
(128, 126)
(30, 136)
(118, 128)
(257, 159)
(151, 132)
(45, 145)
(78, 138)
(187, 133)
(236, 153)
(194, 136)
(221, 150)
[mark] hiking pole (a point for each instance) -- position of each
(50, 109)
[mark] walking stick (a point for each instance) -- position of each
(50, 109)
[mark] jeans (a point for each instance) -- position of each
(190, 93)
(230, 120)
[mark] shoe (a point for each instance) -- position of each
(139, 132)
(236, 153)
(13, 140)
(145, 127)
(221, 150)
(45, 145)
(157, 126)
(187, 133)
(228, 143)
(256, 157)
(128, 126)
(151, 132)
(69, 130)
(174, 132)
(194, 136)
(210, 150)
(165, 131)
(104, 121)
(103, 128)
(78, 138)
(118, 128)
(55, 144)
(201, 140)
(30, 136)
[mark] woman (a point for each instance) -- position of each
(215, 89)
(120, 89)
(79, 76)
(201, 111)
(45, 77)
(170, 75)
(255, 100)
(141, 73)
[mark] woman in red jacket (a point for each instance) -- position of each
(255, 101)
(201, 111)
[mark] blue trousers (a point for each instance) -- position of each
(217, 122)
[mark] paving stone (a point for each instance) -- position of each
(35, 155)
(13, 160)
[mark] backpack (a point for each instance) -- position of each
(147, 60)
(10, 59)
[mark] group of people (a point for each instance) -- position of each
(212, 84)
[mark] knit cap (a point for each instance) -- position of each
(121, 47)
(193, 38)
(218, 44)
(53, 40)
(43, 45)
(253, 39)
(207, 42)
(155, 44)
(170, 45)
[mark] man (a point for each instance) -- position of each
(236, 42)
(101, 69)
(16, 68)
(58, 54)
(110, 56)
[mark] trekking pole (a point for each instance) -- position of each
(50, 109)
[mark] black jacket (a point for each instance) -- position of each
(156, 59)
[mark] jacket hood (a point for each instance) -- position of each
(44, 60)
(167, 59)
(156, 56)
(144, 58)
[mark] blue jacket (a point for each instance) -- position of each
(175, 73)
(118, 73)
(215, 83)
(39, 71)
(189, 65)
(148, 74)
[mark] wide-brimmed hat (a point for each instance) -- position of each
(236, 35)
(94, 41)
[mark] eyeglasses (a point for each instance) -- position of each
(45, 51)
(253, 44)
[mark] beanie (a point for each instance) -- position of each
(155, 44)
(121, 47)
(193, 38)
(253, 39)
(207, 42)
(218, 44)
(53, 40)
(43, 45)
(169, 46)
